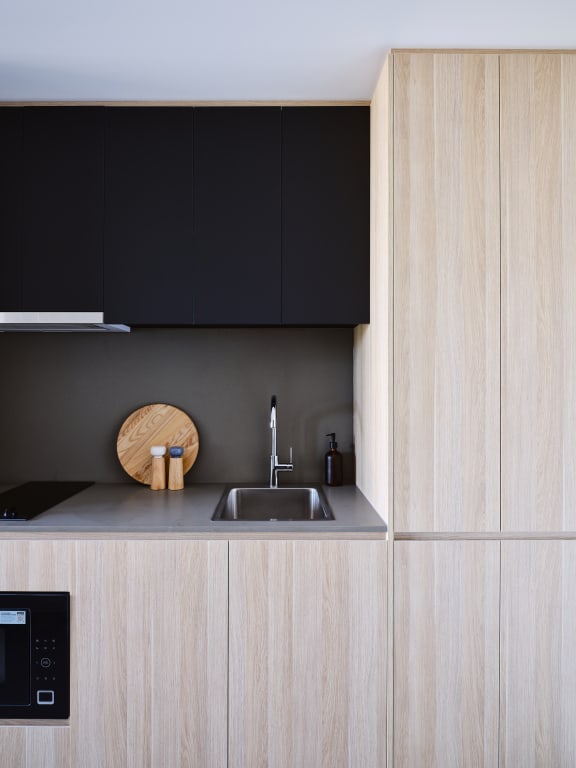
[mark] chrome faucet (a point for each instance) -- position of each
(274, 466)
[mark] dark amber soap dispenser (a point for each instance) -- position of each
(333, 463)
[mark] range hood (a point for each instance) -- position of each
(58, 322)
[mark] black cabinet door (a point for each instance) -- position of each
(51, 200)
(148, 270)
(325, 215)
(10, 200)
(62, 208)
(238, 216)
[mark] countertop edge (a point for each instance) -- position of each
(55, 535)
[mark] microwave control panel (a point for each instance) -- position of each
(34, 655)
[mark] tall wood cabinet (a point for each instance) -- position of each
(484, 371)
(538, 168)
(446, 292)
(484, 292)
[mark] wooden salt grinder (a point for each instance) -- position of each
(158, 482)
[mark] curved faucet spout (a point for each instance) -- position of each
(273, 454)
(275, 467)
(273, 423)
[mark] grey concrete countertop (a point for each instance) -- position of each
(130, 508)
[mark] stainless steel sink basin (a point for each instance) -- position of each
(273, 504)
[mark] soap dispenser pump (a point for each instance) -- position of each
(333, 463)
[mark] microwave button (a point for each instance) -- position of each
(45, 662)
(45, 697)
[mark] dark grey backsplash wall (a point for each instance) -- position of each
(64, 398)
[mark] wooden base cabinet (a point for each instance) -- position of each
(446, 619)
(307, 654)
(484, 653)
(204, 654)
(149, 648)
(538, 654)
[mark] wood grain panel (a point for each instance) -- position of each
(13, 746)
(446, 623)
(47, 747)
(538, 156)
(307, 654)
(148, 652)
(538, 657)
(373, 342)
(446, 292)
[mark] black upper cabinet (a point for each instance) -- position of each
(52, 223)
(326, 215)
(149, 221)
(238, 216)
(186, 216)
(10, 199)
(62, 208)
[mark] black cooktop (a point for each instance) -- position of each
(30, 499)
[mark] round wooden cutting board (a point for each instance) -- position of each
(155, 424)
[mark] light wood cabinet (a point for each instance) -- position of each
(179, 660)
(538, 162)
(484, 172)
(484, 248)
(446, 292)
(36, 747)
(149, 648)
(307, 654)
(538, 654)
(446, 622)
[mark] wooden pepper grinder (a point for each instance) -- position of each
(176, 469)
(158, 482)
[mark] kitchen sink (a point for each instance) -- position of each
(288, 503)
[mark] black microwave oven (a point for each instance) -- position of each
(34, 655)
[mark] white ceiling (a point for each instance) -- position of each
(242, 50)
